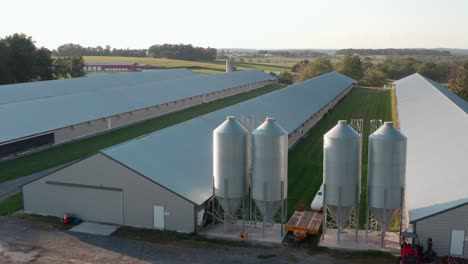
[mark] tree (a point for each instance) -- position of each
(21, 58)
(4, 56)
(44, 64)
(428, 69)
(77, 66)
(182, 52)
(299, 67)
(69, 49)
(285, 78)
(438, 72)
(374, 77)
(351, 66)
(21, 61)
(62, 67)
(459, 83)
(317, 67)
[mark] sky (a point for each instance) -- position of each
(256, 24)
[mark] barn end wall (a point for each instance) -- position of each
(91, 182)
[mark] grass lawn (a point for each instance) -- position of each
(305, 160)
(52, 157)
(263, 67)
(162, 63)
(11, 205)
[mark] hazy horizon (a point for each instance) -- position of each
(242, 24)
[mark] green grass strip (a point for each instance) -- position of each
(11, 205)
(306, 158)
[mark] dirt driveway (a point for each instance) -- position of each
(25, 242)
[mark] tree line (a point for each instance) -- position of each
(170, 51)
(71, 49)
(292, 53)
(455, 75)
(21, 61)
(182, 52)
(394, 52)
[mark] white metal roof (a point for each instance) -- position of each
(436, 125)
(11, 93)
(41, 115)
(180, 157)
(421, 213)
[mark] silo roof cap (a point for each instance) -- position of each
(270, 128)
(231, 126)
(342, 130)
(388, 132)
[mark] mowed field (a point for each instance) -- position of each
(200, 67)
(62, 154)
(306, 158)
(263, 67)
(277, 61)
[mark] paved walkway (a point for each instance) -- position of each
(95, 228)
(12, 187)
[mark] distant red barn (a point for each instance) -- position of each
(115, 66)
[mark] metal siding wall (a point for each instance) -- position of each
(100, 125)
(80, 130)
(139, 194)
(439, 228)
(90, 204)
(295, 136)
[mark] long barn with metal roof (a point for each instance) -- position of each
(128, 184)
(436, 123)
(52, 116)
(18, 92)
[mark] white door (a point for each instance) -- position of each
(158, 218)
(457, 242)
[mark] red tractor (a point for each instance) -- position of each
(412, 252)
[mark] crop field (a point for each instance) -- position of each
(62, 154)
(306, 158)
(278, 61)
(263, 67)
(163, 63)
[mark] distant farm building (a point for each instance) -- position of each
(54, 112)
(436, 123)
(164, 180)
(115, 67)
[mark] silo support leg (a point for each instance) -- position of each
(282, 207)
(338, 233)
(356, 221)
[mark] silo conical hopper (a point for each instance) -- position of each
(386, 174)
(269, 168)
(341, 170)
(230, 164)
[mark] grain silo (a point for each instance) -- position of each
(230, 66)
(230, 166)
(341, 175)
(386, 174)
(269, 170)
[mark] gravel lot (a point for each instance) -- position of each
(26, 242)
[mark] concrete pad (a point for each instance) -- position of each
(94, 228)
(347, 241)
(254, 233)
